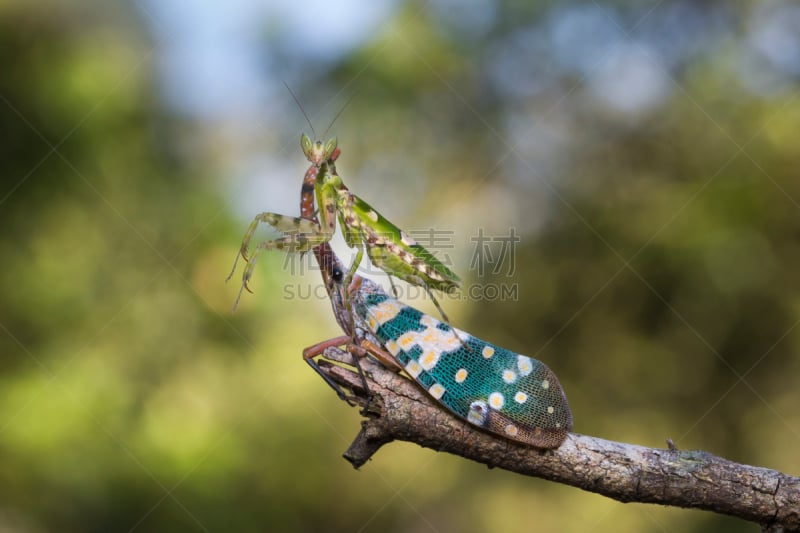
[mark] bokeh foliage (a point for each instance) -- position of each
(657, 267)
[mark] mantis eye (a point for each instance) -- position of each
(330, 146)
(306, 145)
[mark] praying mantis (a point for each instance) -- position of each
(363, 227)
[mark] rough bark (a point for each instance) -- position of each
(399, 410)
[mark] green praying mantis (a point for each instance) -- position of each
(364, 229)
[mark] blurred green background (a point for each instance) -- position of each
(645, 154)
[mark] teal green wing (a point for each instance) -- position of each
(509, 394)
(381, 232)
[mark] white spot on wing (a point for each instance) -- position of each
(413, 369)
(429, 359)
(386, 311)
(524, 364)
(428, 321)
(433, 338)
(393, 348)
(496, 400)
(407, 340)
(436, 390)
(509, 376)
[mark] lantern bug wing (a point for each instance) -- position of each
(509, 394)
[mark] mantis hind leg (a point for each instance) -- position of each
(394, 287)
(436, 304)
(419, 282)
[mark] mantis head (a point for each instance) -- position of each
(315, 151)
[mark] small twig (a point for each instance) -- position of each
(399, 410)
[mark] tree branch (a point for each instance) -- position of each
(399, 410)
